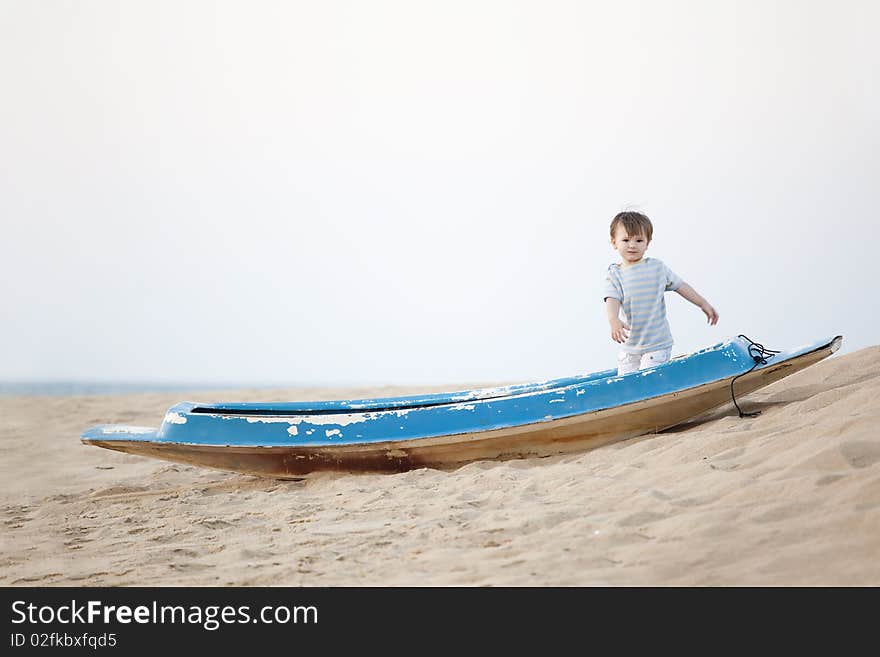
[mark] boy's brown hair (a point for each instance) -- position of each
(634, 223)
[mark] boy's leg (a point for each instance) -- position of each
(653, 358)
(627, 363)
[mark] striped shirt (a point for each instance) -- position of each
(640, 289)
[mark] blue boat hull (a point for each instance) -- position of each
(288, 440)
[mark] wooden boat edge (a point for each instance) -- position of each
(565, 435)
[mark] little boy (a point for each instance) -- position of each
(637, 285)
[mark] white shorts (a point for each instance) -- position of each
(627, 363)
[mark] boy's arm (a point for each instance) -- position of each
(619, 330)
(691, 295)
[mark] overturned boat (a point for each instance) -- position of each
(293, 439)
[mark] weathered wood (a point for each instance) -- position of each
(573, 434)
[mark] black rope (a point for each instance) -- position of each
(759, 354)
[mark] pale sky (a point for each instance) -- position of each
(410, 192)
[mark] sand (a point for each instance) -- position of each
(791, 497)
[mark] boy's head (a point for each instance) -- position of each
(631, 233)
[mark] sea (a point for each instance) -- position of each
(71, 388)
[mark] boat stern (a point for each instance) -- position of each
(118, 432)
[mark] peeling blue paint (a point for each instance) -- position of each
(376, 420)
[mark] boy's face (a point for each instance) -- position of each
(630, 247)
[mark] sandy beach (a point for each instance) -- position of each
(791, 497)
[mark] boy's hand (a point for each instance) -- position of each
(619, 331)
(711, 315)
